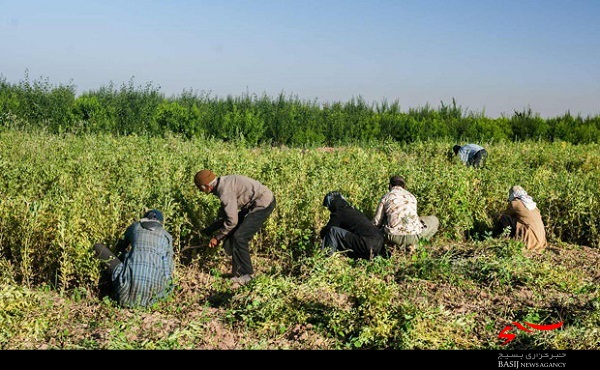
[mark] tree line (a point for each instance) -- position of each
(264, 120)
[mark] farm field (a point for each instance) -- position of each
(60, 194)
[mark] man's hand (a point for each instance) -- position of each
(213, 243)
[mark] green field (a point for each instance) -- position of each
(60, 194)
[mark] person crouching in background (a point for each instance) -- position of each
(522, 220)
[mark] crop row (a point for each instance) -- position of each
(60, 194)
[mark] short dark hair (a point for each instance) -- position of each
(397, 181)
(456, 148)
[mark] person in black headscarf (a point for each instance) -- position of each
(349, 230)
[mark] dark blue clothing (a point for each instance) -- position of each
(145, 274)
(472, 155)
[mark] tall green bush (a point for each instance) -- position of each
(281, 120)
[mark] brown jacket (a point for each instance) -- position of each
(529, 226)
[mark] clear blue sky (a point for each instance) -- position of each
(493, 57)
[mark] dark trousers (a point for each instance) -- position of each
(502, 223)
(238, 242)
(479, 158)
(333, 240)
(105, 255)
(338, 239)
(111, 262)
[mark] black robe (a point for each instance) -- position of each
(364, 240)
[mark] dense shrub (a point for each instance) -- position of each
(281, 120)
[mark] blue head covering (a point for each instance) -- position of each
(154, 214)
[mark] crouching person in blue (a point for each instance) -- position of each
(141, 272)
(472, 155)
(349, 230)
